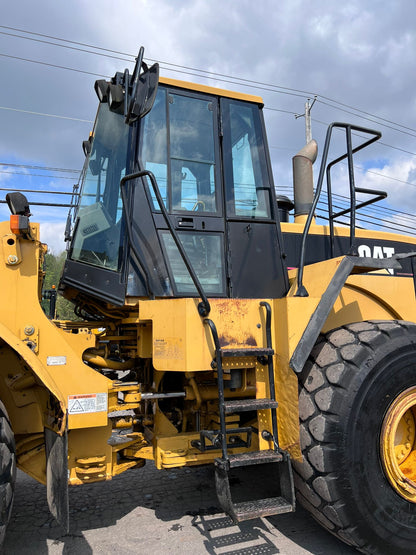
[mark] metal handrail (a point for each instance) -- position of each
(301, 290)
(204, 307)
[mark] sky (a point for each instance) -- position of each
(357, 58)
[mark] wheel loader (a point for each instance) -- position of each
(211, 330)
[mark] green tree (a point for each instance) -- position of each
(53, 266)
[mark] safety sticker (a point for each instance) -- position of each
(88, 402)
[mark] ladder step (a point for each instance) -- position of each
(254, 457)
(244, 405)
(247, 352)
(262, 507)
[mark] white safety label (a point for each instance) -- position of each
(56, 361)
(88, 402)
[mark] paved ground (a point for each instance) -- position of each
(147, 511)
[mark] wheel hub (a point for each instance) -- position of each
(397, 444)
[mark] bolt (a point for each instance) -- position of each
(400, 455)
(12, 259)
(29, 330)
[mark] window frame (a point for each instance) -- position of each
(265, 178)
(218, 181)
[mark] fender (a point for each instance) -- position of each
(56, 442)
(33, 362)
(347, 266)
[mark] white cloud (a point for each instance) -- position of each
(53, 235)
(360, 53)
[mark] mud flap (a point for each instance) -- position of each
(56, 447)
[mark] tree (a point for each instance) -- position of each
(53, 266)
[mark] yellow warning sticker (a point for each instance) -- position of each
(87, 402)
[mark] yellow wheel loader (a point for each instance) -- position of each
(211, 330)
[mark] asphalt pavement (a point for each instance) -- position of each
(153, 511)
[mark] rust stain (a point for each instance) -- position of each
(223, 340)
(244, 341)
(409, 467)
(233, 307)
(251, 340)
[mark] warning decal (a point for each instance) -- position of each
(88, 402)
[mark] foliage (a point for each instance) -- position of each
(53, 266)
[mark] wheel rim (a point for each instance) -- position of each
(398, 446)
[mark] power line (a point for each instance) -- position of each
(39, 191)
(32, 167)
(38, 175)
(263, 86)
(54, 65)
(378, 142)
(365, 216)
(372, 120)
(44, 114)
(65, 46)
(107, 77)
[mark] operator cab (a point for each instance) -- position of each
(206, 149)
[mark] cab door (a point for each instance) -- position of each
(180, 145)
(254, 243)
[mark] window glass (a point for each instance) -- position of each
(192, 154)
(184, 166)
(205, 253)
(250, 185)
(97, 234)
(154, 150)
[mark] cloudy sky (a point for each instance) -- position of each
(356, 57)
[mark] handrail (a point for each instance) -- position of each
(301, 290)
(204, 307)
(378, 195)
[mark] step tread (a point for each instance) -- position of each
(243, 405)
(254, 457)
(262, 507)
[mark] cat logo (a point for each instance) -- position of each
(376, 251)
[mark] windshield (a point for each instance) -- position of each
(97, 235)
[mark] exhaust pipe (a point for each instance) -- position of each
(303, 180)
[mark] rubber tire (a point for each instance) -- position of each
(349, 381)
(7, 471)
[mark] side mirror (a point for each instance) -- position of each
(101, 89)
(18, 204)
(86, 146)
(144, 89)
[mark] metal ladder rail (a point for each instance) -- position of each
(220, 353)
(221, 397)
(270, 366)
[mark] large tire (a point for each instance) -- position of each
(7, 471)
(352, 379)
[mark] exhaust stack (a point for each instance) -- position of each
(303, 180)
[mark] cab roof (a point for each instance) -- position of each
(211, 90)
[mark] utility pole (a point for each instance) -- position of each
(307, 115)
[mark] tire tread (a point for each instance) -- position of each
(333, 366)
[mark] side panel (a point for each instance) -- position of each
(256, 265)
(379, 245)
